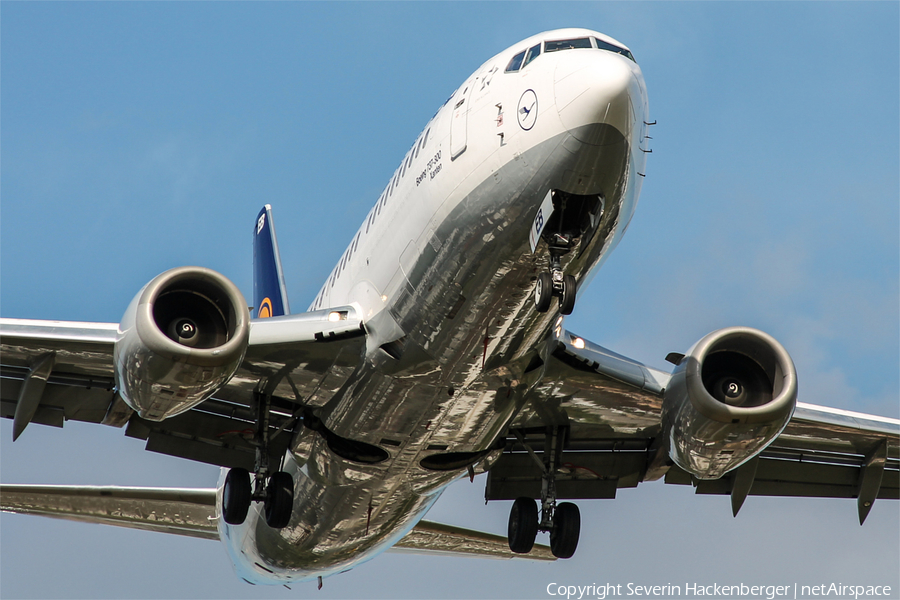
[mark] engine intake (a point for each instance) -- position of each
(729, 398)
(182, 338)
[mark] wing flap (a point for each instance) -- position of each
(799, 479)
(184, 512)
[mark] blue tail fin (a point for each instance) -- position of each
(269, 293)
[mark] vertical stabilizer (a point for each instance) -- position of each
(269, 294)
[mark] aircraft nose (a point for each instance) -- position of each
(595, 87)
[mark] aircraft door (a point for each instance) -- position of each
(458, 124)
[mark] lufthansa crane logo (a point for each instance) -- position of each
(265, 309)
(527, 109)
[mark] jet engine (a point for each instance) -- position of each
(729, 398)
(182, 338)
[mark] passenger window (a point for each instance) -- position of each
(567, 44)
(533, 53)
(613, 48)
(516, 63)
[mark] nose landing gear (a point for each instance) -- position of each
(555, 283)
(573, 222)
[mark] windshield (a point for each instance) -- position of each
(567, 44)
(526, 56)
(613, 48)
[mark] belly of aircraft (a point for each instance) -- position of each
(439, 400)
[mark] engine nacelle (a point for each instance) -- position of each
(182, 338)
(728, 399)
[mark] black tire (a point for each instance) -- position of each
(279, 500)
(236, 496)
(523, 525)
(566, 530)
(543, 292)
(567, 300)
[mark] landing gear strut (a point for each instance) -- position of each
(562, 521)
(275, 492)
(574, 221)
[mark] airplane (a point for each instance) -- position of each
(436, 350)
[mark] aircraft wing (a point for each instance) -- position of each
(54, 371)
(609, 407)
(192, 513)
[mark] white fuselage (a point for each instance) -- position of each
(441, 271)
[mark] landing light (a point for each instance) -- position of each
(335, 316)
(578, 342)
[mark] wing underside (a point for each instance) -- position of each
(603, 410)
(600, 411)
(52, 372)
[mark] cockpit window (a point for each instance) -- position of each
(516, 63)
(567, 44)
(533, 53)
(613, 48)
(520, 60)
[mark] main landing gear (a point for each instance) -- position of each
(562, 521)
(275, 492)
(277, 496)
(555, 283)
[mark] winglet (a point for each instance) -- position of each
(269, 294)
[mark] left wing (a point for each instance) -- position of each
(192, 513)
(605, 411)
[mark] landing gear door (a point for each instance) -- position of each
(458, 124)
(540, 220)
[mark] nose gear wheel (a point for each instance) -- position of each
(567, 297)
(543, 292)
(556, 284)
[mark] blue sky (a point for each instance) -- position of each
(137, 137)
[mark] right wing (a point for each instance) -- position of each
(53, 371)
